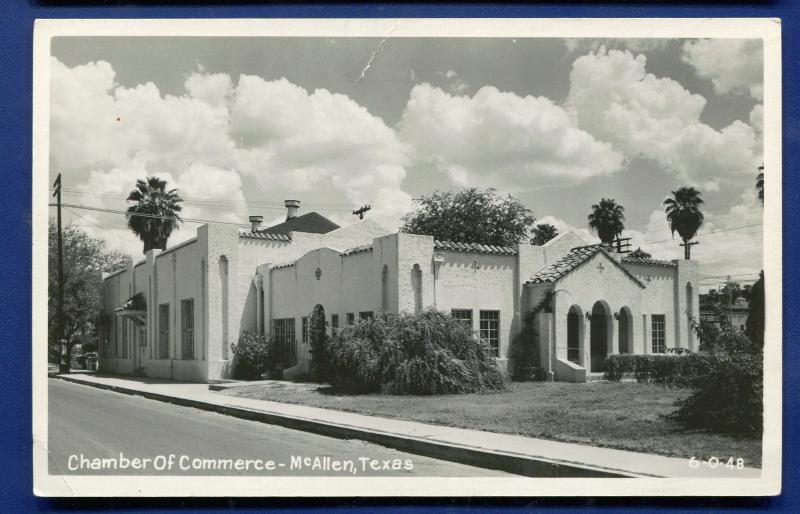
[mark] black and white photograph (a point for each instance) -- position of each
(407, 257)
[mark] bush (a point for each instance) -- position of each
(676, 370)
(524, 353)
(257, 355)
(426, 353)
(318, 341)
(728, 396)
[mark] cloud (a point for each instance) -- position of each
(218, 132)
(636, 45)
(614, 98)
(501, 139)
(734, 66)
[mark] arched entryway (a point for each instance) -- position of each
(574, 330)
(600, 332)
(625, 331)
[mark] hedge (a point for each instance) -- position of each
(676, 370)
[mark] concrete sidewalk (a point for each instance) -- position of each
(511, 453)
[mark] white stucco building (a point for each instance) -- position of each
(175, 313)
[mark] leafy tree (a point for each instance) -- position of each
(318, 340)
(157, 211)
(607, 219)
(730, 292)
(471, 215)
(684, 215)
(754, 326)
(542, 233)
(85, 259)
(639, 254)
(760, 184)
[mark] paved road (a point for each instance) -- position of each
(102, 424)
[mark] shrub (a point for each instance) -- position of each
(676, 370)
(426, 353)
(728, 395)
(318, 340)
(250, 357)
(524, 353)
(256, 355)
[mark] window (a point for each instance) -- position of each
(365, 315)
(163, 331)
(658, 324)
(304, 326)
(385, 288)
(463, 316)
(490, 330)
(416, 285)
(187, 329)
(351, 318)
(334, 324)
(283, 331)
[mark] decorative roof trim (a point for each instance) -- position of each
(455, 246)
(357, 249)
(265, 236)
(282, 265)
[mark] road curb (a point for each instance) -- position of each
(480, 457)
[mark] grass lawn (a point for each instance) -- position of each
(616, 415)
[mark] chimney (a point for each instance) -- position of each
(255, 222)
(291, 208)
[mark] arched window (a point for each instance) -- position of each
(385, 288)
(416, 284)
(574, 329)
(223, 303)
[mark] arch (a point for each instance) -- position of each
(385, 288)
(574, 334)
(416, 284)
(689, 315)
(625, 331)
(601, 330)
(223, 303)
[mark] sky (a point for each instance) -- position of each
(240, 124)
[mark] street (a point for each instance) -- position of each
(93, 431)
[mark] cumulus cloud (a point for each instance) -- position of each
(206, 140)
(732, 65)
(614, 98)
(635, 45)
(502, 139)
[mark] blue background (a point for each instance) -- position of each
(16, 47)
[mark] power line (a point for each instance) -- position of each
(708, 233)
(153, 216)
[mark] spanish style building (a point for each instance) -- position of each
(176, 313)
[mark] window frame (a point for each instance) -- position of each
(456, 314)
(187, 329)
(334, 324)
(351, 318)
(658, 335)
(163, 330)
(487, 332)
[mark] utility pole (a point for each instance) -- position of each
(361, 210)
(60, 313)
(687, 247)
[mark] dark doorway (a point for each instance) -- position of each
(625, 329)
(599, 337)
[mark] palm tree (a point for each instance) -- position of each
(155, 214)
(684, 216)
(760, 184)
(606, 219)
(542, 233)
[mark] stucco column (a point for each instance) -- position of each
(259, 306)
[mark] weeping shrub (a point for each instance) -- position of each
(524, 353)
(426, 353)
(318, 340)
(257, 355)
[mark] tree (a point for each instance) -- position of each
(760, 184)
(155, 214)
(754, 326)
(471, 216)
(85, 259)
(684, 215)
(639, 254)
(730, 292)
(607, 220)
(318, 340)
(542, 233)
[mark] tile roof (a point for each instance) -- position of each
(310, 222)
(455, 246)
(648, 261)
(558, 269)
(357, 249)
(134, 303)
(265, 237)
